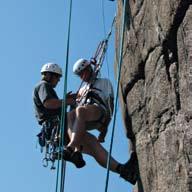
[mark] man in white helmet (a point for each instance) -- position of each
(94, 111)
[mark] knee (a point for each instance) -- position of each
(80, 112)
(71, 116)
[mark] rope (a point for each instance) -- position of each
(103, 16)
(117, 91)
(104, 31)
(63, 110)
(102, 47)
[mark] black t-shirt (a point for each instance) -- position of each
(42, 92)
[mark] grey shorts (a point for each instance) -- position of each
(90, 125)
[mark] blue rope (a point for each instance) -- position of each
(63, 169)
(63, 110)
(117, 91)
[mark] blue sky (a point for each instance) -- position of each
(32, 33)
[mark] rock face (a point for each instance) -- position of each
(156, 91)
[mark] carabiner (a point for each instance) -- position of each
(45, 162)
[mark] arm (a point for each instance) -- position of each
(52, 103)
(57, 103)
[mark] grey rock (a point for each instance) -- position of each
(156, 91)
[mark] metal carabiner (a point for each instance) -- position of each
(53, 166)
(45, 162)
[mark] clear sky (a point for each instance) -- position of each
(32, 33)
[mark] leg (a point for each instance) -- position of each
(70, 119)
(92, 147)
(82, 115)
(90, 144)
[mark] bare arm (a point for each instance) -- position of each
(57, 103)
(53, 103)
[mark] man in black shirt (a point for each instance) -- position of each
(48, 107)
(46, 102)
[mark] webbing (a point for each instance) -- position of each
(63, 110)
(117, 91)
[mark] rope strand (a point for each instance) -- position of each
(63, 110)
(63, 167)
(117, 91)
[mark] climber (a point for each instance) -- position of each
(94, 111)
(46, 102)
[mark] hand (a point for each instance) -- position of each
(71, 98)
(71, 95)
(93, 61)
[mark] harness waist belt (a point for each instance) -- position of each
(97, 100)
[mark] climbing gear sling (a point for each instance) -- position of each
(49, 139)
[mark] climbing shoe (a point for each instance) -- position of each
(74, 157)
(129, 170)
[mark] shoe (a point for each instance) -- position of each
(129, 171)
(74, 157)
(69, 155)
(77, 159)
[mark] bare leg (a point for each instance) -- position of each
(80, 116)
(79, 135)
(92, 147)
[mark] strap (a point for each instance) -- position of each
(97, 99)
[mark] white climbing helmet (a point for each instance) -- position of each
(52, 67)
(79, 65)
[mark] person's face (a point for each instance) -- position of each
(55, 79)
(85, 75)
